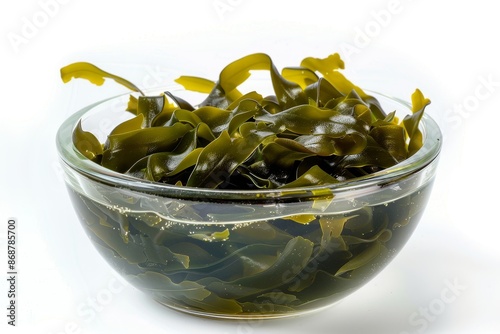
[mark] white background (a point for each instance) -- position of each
(447, 49)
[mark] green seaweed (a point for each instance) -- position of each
(242, 140)
(274, 266)
(318, 128)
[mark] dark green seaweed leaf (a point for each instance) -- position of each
(419, 102)
(86, 143)
(221, 157)
(150, 107)
(124, 149)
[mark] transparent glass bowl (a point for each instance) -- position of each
(242, 254)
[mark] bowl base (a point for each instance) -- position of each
(239, 317)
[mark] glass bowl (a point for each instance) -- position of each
(246, 254)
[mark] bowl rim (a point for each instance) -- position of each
(71, 158)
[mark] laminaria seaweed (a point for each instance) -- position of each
(317, 128)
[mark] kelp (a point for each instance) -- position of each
(317, 129)
(93, 74)
(245, 140)
(275, 266)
